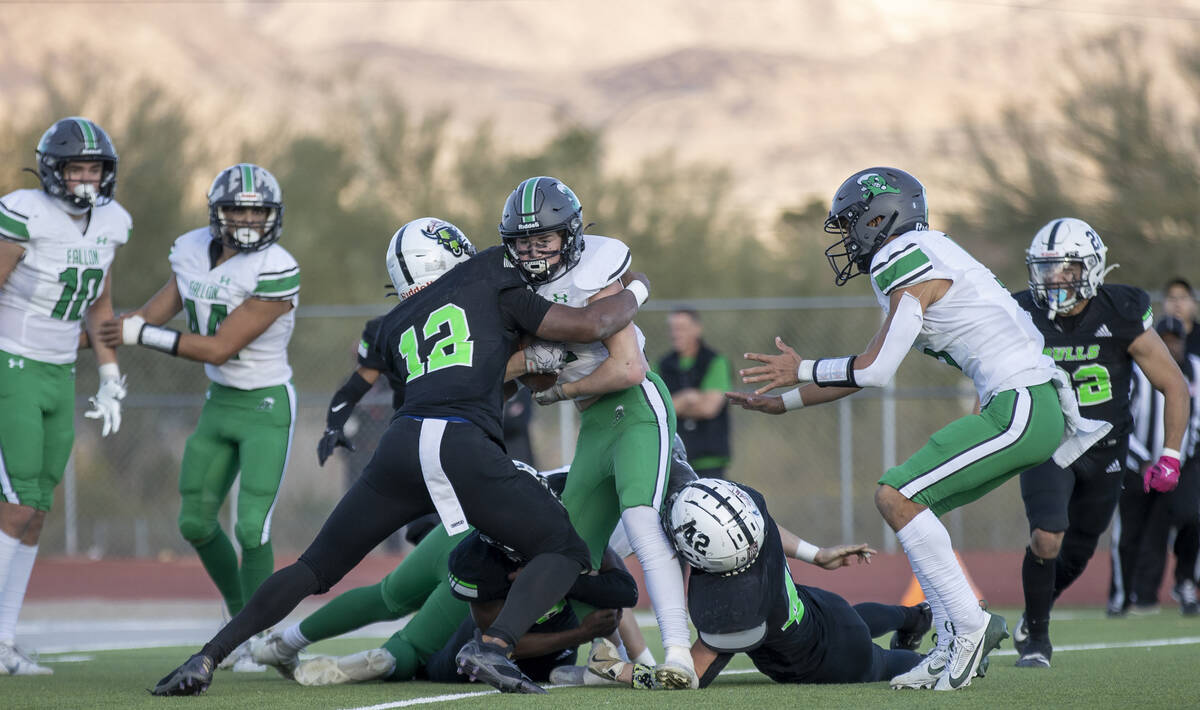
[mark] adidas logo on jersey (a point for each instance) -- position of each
(1103, 331)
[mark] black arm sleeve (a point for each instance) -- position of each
(612, 588)
(715, 668)
(344, 401)
(524, 308)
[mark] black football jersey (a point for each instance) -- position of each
(787, 649)
(1093, 348)
(450, 342)
(368, 356)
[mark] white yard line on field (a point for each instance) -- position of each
(1148, 643)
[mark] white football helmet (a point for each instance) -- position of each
(1066, 264)
(423, 250)
(716, 526)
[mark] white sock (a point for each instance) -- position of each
(927, 544)
(664, 580)
(16, 580)
(294, 639)
(646, 658)
(935, 602)
(621, 650)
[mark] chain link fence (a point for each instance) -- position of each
(817, 467)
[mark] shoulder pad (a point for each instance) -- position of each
(1130, 302)
(17, 209)
(604, 260)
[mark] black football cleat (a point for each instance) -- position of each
(192, 678)
(490, 663)
(910, 639)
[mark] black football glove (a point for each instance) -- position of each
(330, 440)
(192, 678)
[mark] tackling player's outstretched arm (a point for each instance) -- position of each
(1152, 356)
(624, 367)
(598, 320)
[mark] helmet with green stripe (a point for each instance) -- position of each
(870, 206)
(245, 185)
(542, 206)
(76, 140)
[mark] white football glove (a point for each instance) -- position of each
(544, 357)
(550, 395)
(106, 404)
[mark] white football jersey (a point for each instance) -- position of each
(210, 294)
(977, 326)
(62, 273)
(602, 262)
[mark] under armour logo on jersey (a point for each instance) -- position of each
(1103, 331)
(224, 280)
(102, 240)
(16, 362)
(267, 404)
(558, 297)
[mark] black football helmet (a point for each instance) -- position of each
(245, 185)
(542, 205)
(70, 140)
(870, 206)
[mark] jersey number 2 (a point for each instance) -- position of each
(1093, 384)
(454, 348)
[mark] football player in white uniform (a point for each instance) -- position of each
(627, 423)
(239, 290)
(942, 302)
(56, 251)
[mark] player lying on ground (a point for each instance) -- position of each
(421, 584)
(452, 342)
(742, 600)
(427, 644)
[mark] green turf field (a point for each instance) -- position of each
(1142, 662)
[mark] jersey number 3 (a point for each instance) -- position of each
(454, 348)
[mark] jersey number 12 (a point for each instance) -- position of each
(452, 349)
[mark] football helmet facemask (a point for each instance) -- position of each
(716, 526)
(245, 185)
(543, 205)
(1066, 264)
(70, 140)
(423, 250)
(870, 206)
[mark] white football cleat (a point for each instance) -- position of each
(925, 673)
(13, 661)
(366, 665)
(273, 652)
(967, 651)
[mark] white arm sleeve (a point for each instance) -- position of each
(903, 332)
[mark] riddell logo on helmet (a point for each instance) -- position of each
(248, 197)
(90, 151)
(531, 225)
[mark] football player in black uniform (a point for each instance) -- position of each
(453, 343)
(1094, 332)
(742, 600)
